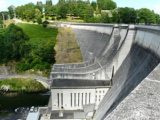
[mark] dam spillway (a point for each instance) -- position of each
(133, 51)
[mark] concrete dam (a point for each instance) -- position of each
(127, 58)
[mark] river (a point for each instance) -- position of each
(23, 102)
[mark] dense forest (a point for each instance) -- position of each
(101, 11)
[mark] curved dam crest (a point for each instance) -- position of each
(121, 54)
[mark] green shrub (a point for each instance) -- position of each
(39, 20)
(45, 23)
(21, 85)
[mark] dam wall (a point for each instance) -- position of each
(97, 69)
(142, 58)
(125, 54)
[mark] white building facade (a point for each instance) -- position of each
(75, 98)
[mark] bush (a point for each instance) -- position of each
(45, 23)
(14, 44)
(21, 85)
(39, 20)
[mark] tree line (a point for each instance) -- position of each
(100, 11)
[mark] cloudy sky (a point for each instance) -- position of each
(151, 4)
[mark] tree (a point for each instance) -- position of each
(88, 13)
(49, 2)
(51, 10)
(62, 9)
(94, 5)
(105, 18)
(38, 16)
(1, 23)
(72, 7)
(115, 16)
(106, 4)
(39, 6)
(26, 12)
(4, 15)
(11, 10)
(127, 15)
(82, 8)
(2, 49)
(19, 12)
(29, 11)
(15, 43)
(157, 18)
(146, 16)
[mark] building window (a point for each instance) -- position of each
(82, 98)
(71, 99)
(74, 99)
(89, 98)
(103, 91)
(86, 98)
(61, 99)
(96, 98)
(78, 98)
(99, 91)
(58, 98)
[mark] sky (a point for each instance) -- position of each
(151, 4)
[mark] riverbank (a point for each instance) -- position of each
(21, 85)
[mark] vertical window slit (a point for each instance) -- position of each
(58, 98)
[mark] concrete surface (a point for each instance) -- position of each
(133, 94)
(143, 103)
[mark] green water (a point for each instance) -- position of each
(8, 104)
(22, 100)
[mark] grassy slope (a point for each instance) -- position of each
(21, 84)
(67, 50)
(39, 35)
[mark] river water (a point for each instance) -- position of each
(23, 102)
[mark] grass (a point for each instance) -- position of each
(21, 85)
(41, 40)
(67, 49)
(38, 34)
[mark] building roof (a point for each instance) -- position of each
(79, 83)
